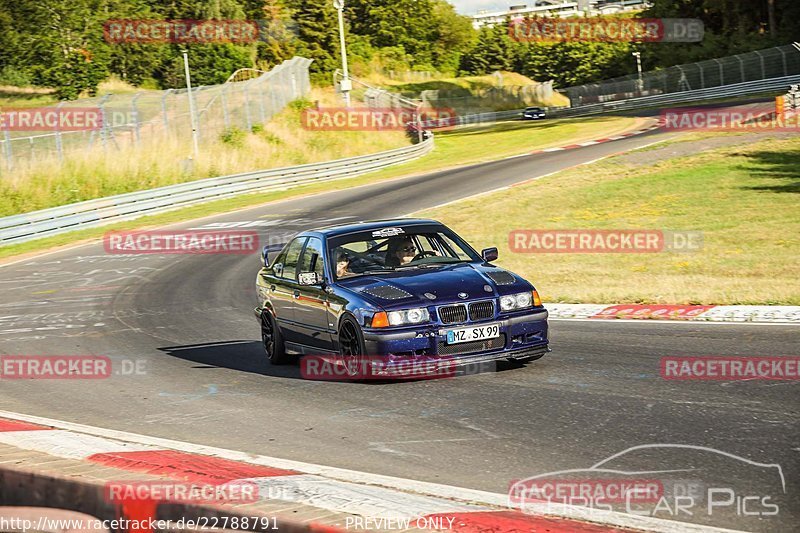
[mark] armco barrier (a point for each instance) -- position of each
(93, 213)
(714, 93)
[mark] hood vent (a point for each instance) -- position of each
(386, 292)
(501, 277)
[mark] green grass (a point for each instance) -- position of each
(505, 139)
(744, 199)
(452, 149)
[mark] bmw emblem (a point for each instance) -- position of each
(463, 295)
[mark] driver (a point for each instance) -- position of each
(400, 252)
(343, 265)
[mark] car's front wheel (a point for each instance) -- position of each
(351, 344)
(272, 340)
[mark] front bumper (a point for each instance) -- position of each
(522, 336)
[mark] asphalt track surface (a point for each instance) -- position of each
(187, 321)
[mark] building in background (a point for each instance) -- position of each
(558, 8)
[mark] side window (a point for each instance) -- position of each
(292, 256)
(312, 260)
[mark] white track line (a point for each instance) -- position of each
(471, 496)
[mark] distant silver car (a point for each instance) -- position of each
(533, 113)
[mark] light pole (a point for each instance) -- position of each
(345, 85)
(192, 117)
(638, 56)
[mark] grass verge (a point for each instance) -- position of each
(452, 149)
(743, 198)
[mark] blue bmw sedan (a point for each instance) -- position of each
(397, 289)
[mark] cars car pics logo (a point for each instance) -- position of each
(605, 29)
(609, 485)
(710, 368)
(603, 241)
(376, 119)
(236, 242)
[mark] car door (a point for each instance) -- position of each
(312, 312)
(282, 291)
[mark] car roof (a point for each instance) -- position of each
(353, 227)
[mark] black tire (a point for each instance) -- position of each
(351, 344)
(272, 340)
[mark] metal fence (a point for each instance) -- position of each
(133, 118)
(778, 62)
(129, 206)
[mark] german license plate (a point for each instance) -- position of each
(477, 333)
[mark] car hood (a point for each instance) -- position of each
(446, 284)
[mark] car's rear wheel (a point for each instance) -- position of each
(351, 344)
(272, 340)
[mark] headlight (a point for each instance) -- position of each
(408, 316)
(516, 301)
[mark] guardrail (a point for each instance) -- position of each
(93, 213)
(715, 93)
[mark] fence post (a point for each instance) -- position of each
(721, 73)
(247, 107)
(9, 152)
(702, 77)
(198, 112)
(763, 68)
(741, 66)
(261, 100)
(59, 147)
(135, 112)
(226, 118)
(783, 60)
(103, 121)
(165, 116)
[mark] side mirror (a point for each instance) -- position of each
(308, 278)
(265, 255)
(489, 254)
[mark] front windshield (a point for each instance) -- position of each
(372, 252)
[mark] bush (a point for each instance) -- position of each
(233, 136)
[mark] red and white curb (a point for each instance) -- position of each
(379, 498)
(597, 141)
(761, 314)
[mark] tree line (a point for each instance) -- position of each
(61, 43)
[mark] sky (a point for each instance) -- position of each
(470, 7)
